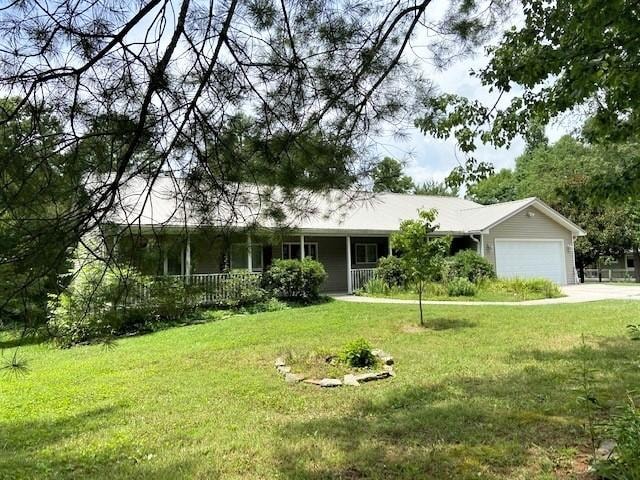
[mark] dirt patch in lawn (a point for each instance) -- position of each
(439, 324)
(412, 328)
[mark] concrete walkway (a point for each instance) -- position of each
(574, 294)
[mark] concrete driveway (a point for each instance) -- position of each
(590, 292)
(574, 294)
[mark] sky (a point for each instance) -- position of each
(429, 158)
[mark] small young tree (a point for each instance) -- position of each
(422, 256)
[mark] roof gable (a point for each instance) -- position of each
(487, 217)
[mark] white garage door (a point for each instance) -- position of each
(531, 259)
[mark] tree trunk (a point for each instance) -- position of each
(636, 263)
(581, 273)
(420, 302)
(599, 274)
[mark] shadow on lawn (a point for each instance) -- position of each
(448, 323)
(602, 350)
(520, 424)
(37, 449)
(10, 338)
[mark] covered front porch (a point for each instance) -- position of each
(211, 258)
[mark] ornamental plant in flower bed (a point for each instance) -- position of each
(500, 290)
(464, 276)
(355, 361)
(321, 363)
(294, 280)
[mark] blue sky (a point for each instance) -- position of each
(428, 157)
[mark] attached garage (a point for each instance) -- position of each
(527, 258)
(531, 240)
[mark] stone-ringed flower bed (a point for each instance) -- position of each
(351, 379)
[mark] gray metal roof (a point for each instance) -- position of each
(169, 204)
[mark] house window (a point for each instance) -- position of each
(239, 256)
(630, 263)
(366, 253)
(292, 250)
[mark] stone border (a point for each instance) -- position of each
(350, 379)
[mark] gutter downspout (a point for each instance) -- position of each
(478, 245)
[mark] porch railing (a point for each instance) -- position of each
(361, 276)
(608, 275)
(217, 287)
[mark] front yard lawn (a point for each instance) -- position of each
(487, 392)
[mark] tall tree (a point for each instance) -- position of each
(607, 234)
(35, 196)
(499, 187)
(632, 221)
(566, 57)
(178, 72)
(389, 176)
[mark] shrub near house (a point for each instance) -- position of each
(468, 264)
(465, 274)
(98, 303)
(391, 272)
(106, 300)
(297, 280)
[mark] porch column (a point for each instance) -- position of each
(349, 284)
(390, 249)
(482, 245)
(187, 259)
(249, 253)
(165, 261)
(301, 247)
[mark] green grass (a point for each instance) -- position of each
(514, 290)
(487, 392)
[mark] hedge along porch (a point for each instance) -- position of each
(202, 254)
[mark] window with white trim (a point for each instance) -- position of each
(239, 256)
(291, 250)
(366, 253)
